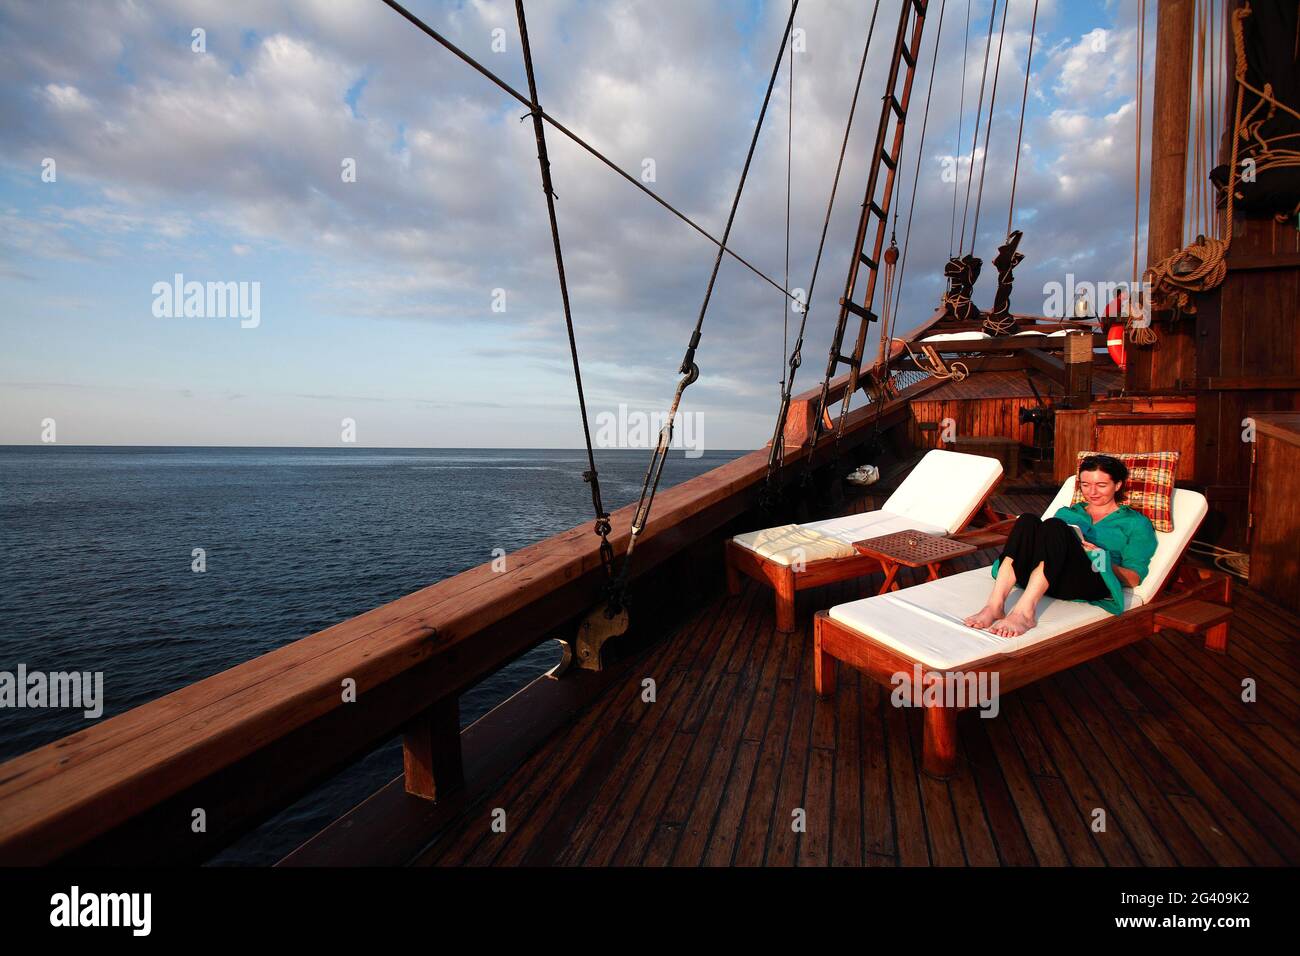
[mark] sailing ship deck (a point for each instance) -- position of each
(712, 772)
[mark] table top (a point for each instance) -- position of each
(913, 549)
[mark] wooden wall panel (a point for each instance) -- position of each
(1162, 437)
(1248, 361)
(991, 417)
(1275, 503)
(1073, 434)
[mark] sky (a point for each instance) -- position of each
(418, 300)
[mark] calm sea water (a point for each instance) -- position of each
(96, 552)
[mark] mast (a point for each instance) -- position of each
(1173, 362)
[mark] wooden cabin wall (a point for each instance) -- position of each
(1128, 425)
(993, 417)
(1248, 361)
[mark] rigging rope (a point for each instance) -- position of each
(789, 162)
(776, 454)
(591, 476)
(961, 115)
(689, 370)
(988, 129)
(1020, 133)
(979, 115)
(560, 128)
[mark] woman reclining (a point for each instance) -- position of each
(1112, 551)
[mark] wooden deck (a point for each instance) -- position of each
(715, 770)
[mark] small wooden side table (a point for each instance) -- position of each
(911, 549)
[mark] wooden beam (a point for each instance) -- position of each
(1050, 365)
(431, 758)
(1263, 383)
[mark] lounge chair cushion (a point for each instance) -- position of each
(943, 489)
(936, 497)
(924, 622)
(831, 538)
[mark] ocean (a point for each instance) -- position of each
(98, 548)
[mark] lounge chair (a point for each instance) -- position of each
(940, 496)
(920, 627)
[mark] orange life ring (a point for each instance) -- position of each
(1115, 344)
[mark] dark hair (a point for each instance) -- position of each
(1113, 467)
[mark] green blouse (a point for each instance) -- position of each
(1126, 536)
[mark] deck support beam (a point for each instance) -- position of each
(431, 758)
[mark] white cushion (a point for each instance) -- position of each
(957, 337)
(924, 622)
(1189, 510)
(937, 497)
(831, 538)
(944, 488)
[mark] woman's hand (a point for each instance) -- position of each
(1089, 546)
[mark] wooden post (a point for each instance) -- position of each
(431, 757)
(1173, 359)
(1078, 369)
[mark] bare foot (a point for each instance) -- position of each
(986, 616)
(1013, 625)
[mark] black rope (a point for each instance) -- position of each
(979, 115)
(1024, 98)
(993, 98)
(689, 370)
(961, 115)
(590, 476)
(559, 127)
(789, 164)
(776, 453)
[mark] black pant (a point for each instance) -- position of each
(1066, 563)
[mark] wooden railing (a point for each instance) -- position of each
(233, 749)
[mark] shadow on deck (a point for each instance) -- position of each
(717, 769)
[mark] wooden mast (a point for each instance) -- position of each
(1171, 363)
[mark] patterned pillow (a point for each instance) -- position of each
(1150, 485)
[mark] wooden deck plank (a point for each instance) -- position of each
(1240, 755)
(1221, 700)
(1115, 842)
(751, 847)
(904, 786)
(846, 845)
(1218, 791)
(972, 821)
(877, 800)
(700, 814)
(936, 803)
(1114, 788)
(623, 809)
(1006, 831)
(783, 840)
